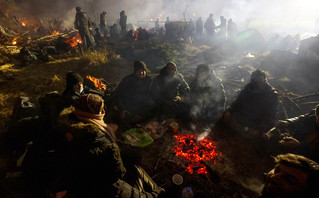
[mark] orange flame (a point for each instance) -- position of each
(97, 83)
(195, 152)
(23, 23)
(55, 32)
(135, 34)
(75, 40)
(14, 41)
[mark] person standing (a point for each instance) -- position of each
(103, 23)
(123, 21)
(231, 29)
(222, 28)
(210, 27)
(83, 24)
(199, 28)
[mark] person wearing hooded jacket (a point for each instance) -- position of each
(92, 163)
(133, 93)
(74, 87)
(168, 90)
(207, 95)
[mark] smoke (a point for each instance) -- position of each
(285, 16)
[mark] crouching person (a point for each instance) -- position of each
(92, 164)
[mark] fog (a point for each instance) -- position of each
(269, 16)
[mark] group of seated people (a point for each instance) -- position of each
(138, 97)
(85, 160)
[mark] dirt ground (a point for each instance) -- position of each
(226, 179)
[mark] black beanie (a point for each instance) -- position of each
(258, 74)
(139, 65)
(73, 78)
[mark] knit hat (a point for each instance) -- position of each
(139, 65)
(203, 67)
(73, 78)
(90, 103)
(258, 74)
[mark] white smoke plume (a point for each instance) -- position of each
(285, 16)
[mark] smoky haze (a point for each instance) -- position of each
(285, 16)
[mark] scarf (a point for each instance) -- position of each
(96, 119)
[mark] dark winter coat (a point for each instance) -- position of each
(134, 94)
(70, 96)
(164, 88)
(93, 165)
(303, 128)
(257, 107)
(92, 160)
(207, 97)
(82, 22)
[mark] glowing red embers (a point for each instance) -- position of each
(195, 152)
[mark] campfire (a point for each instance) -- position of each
(95, 83)
(195, 152)
(75, 40)
(55, 32)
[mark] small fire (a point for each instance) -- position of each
(23, 23)
(195, 152)
(55, 32)
(14, 41)
(75, 40)
(97, 83)
(135, 35)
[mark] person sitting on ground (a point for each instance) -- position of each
(74, 87)
(133, 94)
(207, 95)
(92, 165)
(298, 135)
(253, 112)
(169, 89)
(292, 176)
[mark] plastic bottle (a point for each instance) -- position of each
(187, 193)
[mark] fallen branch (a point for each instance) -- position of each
(310, 103)
(306, 96)
(290, 103)
(232, 83)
